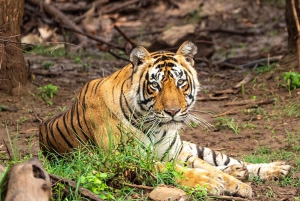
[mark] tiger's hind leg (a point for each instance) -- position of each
(236, 168)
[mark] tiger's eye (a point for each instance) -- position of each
(180, 82)
(154, 84)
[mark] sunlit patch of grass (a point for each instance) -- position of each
(229, 123)
(49, 50)
(292, 108)
(107, 173)
(267, 155)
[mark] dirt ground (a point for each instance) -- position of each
(262, 123)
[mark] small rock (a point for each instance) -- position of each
(164, 193)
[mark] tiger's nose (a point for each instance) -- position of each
(172, 112)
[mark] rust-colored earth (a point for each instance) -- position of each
(264, 126)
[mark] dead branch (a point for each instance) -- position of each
(232, 32)
(298, 29)
(124, 36)
(95, 38)
(226, 62)
(212, 97)
(239, 103)
(60, 17)
(246, 80)
(224, 197)
(234, 110)
(139, 186)
(226, 91)
(110, 52)
(264, 60)
(83, 191)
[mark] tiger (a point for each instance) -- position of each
(160, 89)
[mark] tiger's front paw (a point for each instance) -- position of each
(233, 186)
(215, 182)
(273, 171)
(193, 177)
(239, 171)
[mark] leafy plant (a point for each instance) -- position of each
(231, 124)
(292, 79)
(265, 68)
(47, 92)
(109, 173)
(96, 181)
(47, 64)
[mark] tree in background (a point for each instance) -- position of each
(13, 73)
(291, 24)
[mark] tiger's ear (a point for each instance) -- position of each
(138, 56)
(188, 49)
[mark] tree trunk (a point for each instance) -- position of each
(291, 25)
(13, 73)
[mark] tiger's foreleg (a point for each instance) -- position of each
(232, 185)
(215, 181)
(236, 168)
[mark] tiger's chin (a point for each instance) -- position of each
(172, 125)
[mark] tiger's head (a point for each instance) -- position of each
(164, 85)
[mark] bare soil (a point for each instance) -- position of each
(260, 125)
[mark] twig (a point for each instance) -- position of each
(94, 38)
(223, 197)
(139, 186)
(226, 62)
(211, 97)
(83, 191)
(232, 32)
(239, 103)
(249, 77)
(261, 102)
(298, 30)
(264, 60)
(124, 35)
(110, 52)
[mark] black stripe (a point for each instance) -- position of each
(169, 148)
(71, 120)
(52, 135)
(200, 152)
(258, 171)
(117, 75)
(80, 127)
(187, 158)
(227, 161)
(214, 157)
(65, 123)
(63, 136)
(84, 106)
(161, 139)
(97, 85)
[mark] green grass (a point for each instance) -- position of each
(291, 156)
(229, 123)
(107, 173)
(292, 108)
(48, 50)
